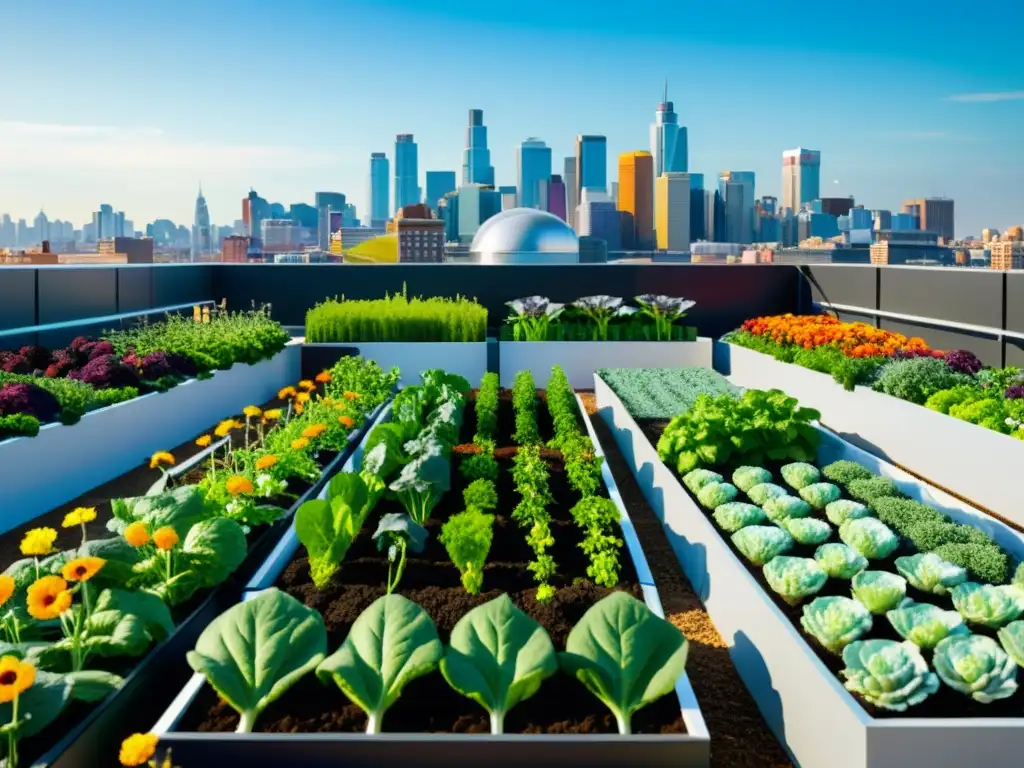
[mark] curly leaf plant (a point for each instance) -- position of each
(800, 474)
(988, 605)
(888, 674)
(870, 537)
(794, 579)
(762, 492)
(879, 591)
(746, 478)
(975, 666)
(664, 311)
(930, 573)
(820, 495)
(1011, 637)
(735, 515)
(760, 543)
(926, 625)
(835, 622)
(806, 530)
(838, 512)
(532, 317)
(840, 561)
(785, 507)
(600, 310)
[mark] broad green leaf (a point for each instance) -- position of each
(152, 612)
(41, 704)
(401, 525)
(392, 642)
(93, 684)
(498, 657)
(180, 508)
(214, 549)
(625, 655)
(253, 652)
(327, 527)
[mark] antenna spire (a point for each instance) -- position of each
(665, 99)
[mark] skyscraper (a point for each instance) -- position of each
(591, 164)
(739, 213)
(407, 189)
(556, 197)
(476, 158)
(636, 199)
(698, 215)
(202, 242)
(801, 177)
(596, 216)
(672, 211)
(669, 144)
(572, 194)
(934, 214)
(439, 184)
(477, 204)
(380, 185)
(533, 173)
(325, 203)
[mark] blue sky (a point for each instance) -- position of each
(136, 103)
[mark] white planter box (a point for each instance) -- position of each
(968, 460)
(63, 462)
(808, 709)
(468, 359)
(579, 359)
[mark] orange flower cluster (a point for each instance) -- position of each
(853, 339)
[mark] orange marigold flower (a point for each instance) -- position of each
(204, 441)
(237, 484)
(82, 568)
(351, 395)
(324, 377)
(346, 421)
(302, 398)
(16, 677)
(138, 748)
(161, 457)
(299, 444)
(299, 408)
(137, 534)
(307, 385)
(48, 598)
(266, 462)
(314, 431)
(7, 587)
(286, 394)
(165, 538)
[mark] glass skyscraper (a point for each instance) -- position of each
(591, 164)
(380, 183)
(533, 174)
(407, 189)
(439, 183)
(669, 143)
(801, 177)
(697, 207)
(739, 212)
(476, 158)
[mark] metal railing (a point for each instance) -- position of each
(85, 321)
(981, 330)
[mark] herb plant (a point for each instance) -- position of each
(598, 518)
(487, 408)
(530, 474)
(661, 393)
(524, 402)
(481, 494)
(467, 539)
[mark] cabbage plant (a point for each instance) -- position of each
(988, 605)
(794, 578)
(600, 310)
(1011, 637)
(879, 591)
(925, 625)
(888, 674)
(746, 478)
(760, 543)
(835, 622)
(840, 561)
(975, 666)
(761, 492)
(806, 530)
(838, 512)
(784, 507)
(820, 495)
(714, 495)
(930, 573)
(532, 317)
(664, 311)
(871, 537)
(800, 474)
(698, 478)
(735, 515)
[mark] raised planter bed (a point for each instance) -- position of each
(469, 747)
(966, 459)
(62, 462)
(468, 359)
(580, 359)
(804, 703)
(138, 701)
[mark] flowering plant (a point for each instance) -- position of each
(532, 316)
(852, 339)
(664, 311)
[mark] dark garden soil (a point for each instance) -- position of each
(946, 702)
(429, 705)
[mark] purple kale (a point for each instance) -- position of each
(15, 363)
(30, 400)
(64, 362)
(157, 365)
(963, 361)
(106, 372)
(36, 357)
(1016, 392)
(78, 342)
(94, 349)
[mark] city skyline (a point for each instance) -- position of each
(948, 134)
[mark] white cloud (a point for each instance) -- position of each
(43, 146)
(989, 96)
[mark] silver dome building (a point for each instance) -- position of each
(525, 236)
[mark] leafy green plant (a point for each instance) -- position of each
(870, 537)
(255, 651)
(480, 466)
(759, 544)
(598, 518)
(698, 478)
(746, 478)
(844, 472)
(1011, 637)
(467, 539)
(917, 379)
(625, 655)
(820, 495)
(661, 393)
(879, 591)
(663, 312)
(806, 530)
(867, 491)
(481, 494)
(975, 666)
(487, 408)
(423, 481)
(925, 625)
(600, 311)
(930, 573)
(888, 674)
(762, 492)
(794, 579)
(524, 402)
(835, 622)
(33, 710)
(799, 474)
(840, 561)
(498, 657)
(398, 534)
(838, 512)
(988, 605)
(18, 425)
(714, 495)
(532, 317)
(985, 562)
(735, 515)
(530, 473)
(391, 643)
(785, 507)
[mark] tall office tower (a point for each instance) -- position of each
(672, 211)
(935, 214)
(105, 221)
(556, 197)
(636, 200)
(668, 140)
(742, 228)
(42, 227)
(477, 203)
(325, 203)
(766, 222)
(697, 207)
(439, 184)
(380, 185)
(202, 240)
(476, 158)
(533, 173)
(407, 189)
(597, 216)
(801, 177)
(591, 164)
(572, 195)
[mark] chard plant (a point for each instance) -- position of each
(423, 481)
(467, 539)
(663, 312)
(398, 534)
(498, 657)
(601, 310)
(532, 317)
(392, 643)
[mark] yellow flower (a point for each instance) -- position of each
(302, 398)
(239, 424)
(224, 428)
(351, 395)
(323, 377)
(138, 748)
(307, 385)
(82, 568)
(251, 411)
(314, 430)
(298, 445)
(204, 441)
(165, 538)
(299, 408)
(48, 598)
(347, 421)
(7, 587)
(137, 534)
(272, 415)
(79, 516)
(161, 457)
(38, 542)
(237, 484)
(16, 677)
(286, 394)
(266, 462)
